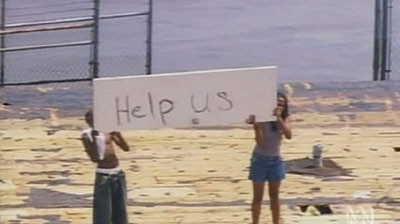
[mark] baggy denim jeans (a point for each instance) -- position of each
(110, 199)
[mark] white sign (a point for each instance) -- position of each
(188, 99)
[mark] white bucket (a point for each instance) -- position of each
(317, 155)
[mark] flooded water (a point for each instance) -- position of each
(309, 40)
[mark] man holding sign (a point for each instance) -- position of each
(110, 196)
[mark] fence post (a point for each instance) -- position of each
(377, 40)
(384, 57)
(95, 40)
(149, 38)
(2, 40)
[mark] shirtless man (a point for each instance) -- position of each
(110, 197)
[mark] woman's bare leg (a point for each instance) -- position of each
(273, 189)
(258, 193)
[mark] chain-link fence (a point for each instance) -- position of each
(46, 41)
(123, 49)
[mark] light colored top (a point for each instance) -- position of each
(272, 140)
(100, 142)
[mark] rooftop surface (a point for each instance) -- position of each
(199, 176)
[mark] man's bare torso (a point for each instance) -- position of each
(110, 158)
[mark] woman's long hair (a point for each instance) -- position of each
(285, 112)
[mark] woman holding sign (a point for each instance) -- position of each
(266, 162)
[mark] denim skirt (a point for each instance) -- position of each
(266, 168)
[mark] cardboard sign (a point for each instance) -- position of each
(187, 99)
